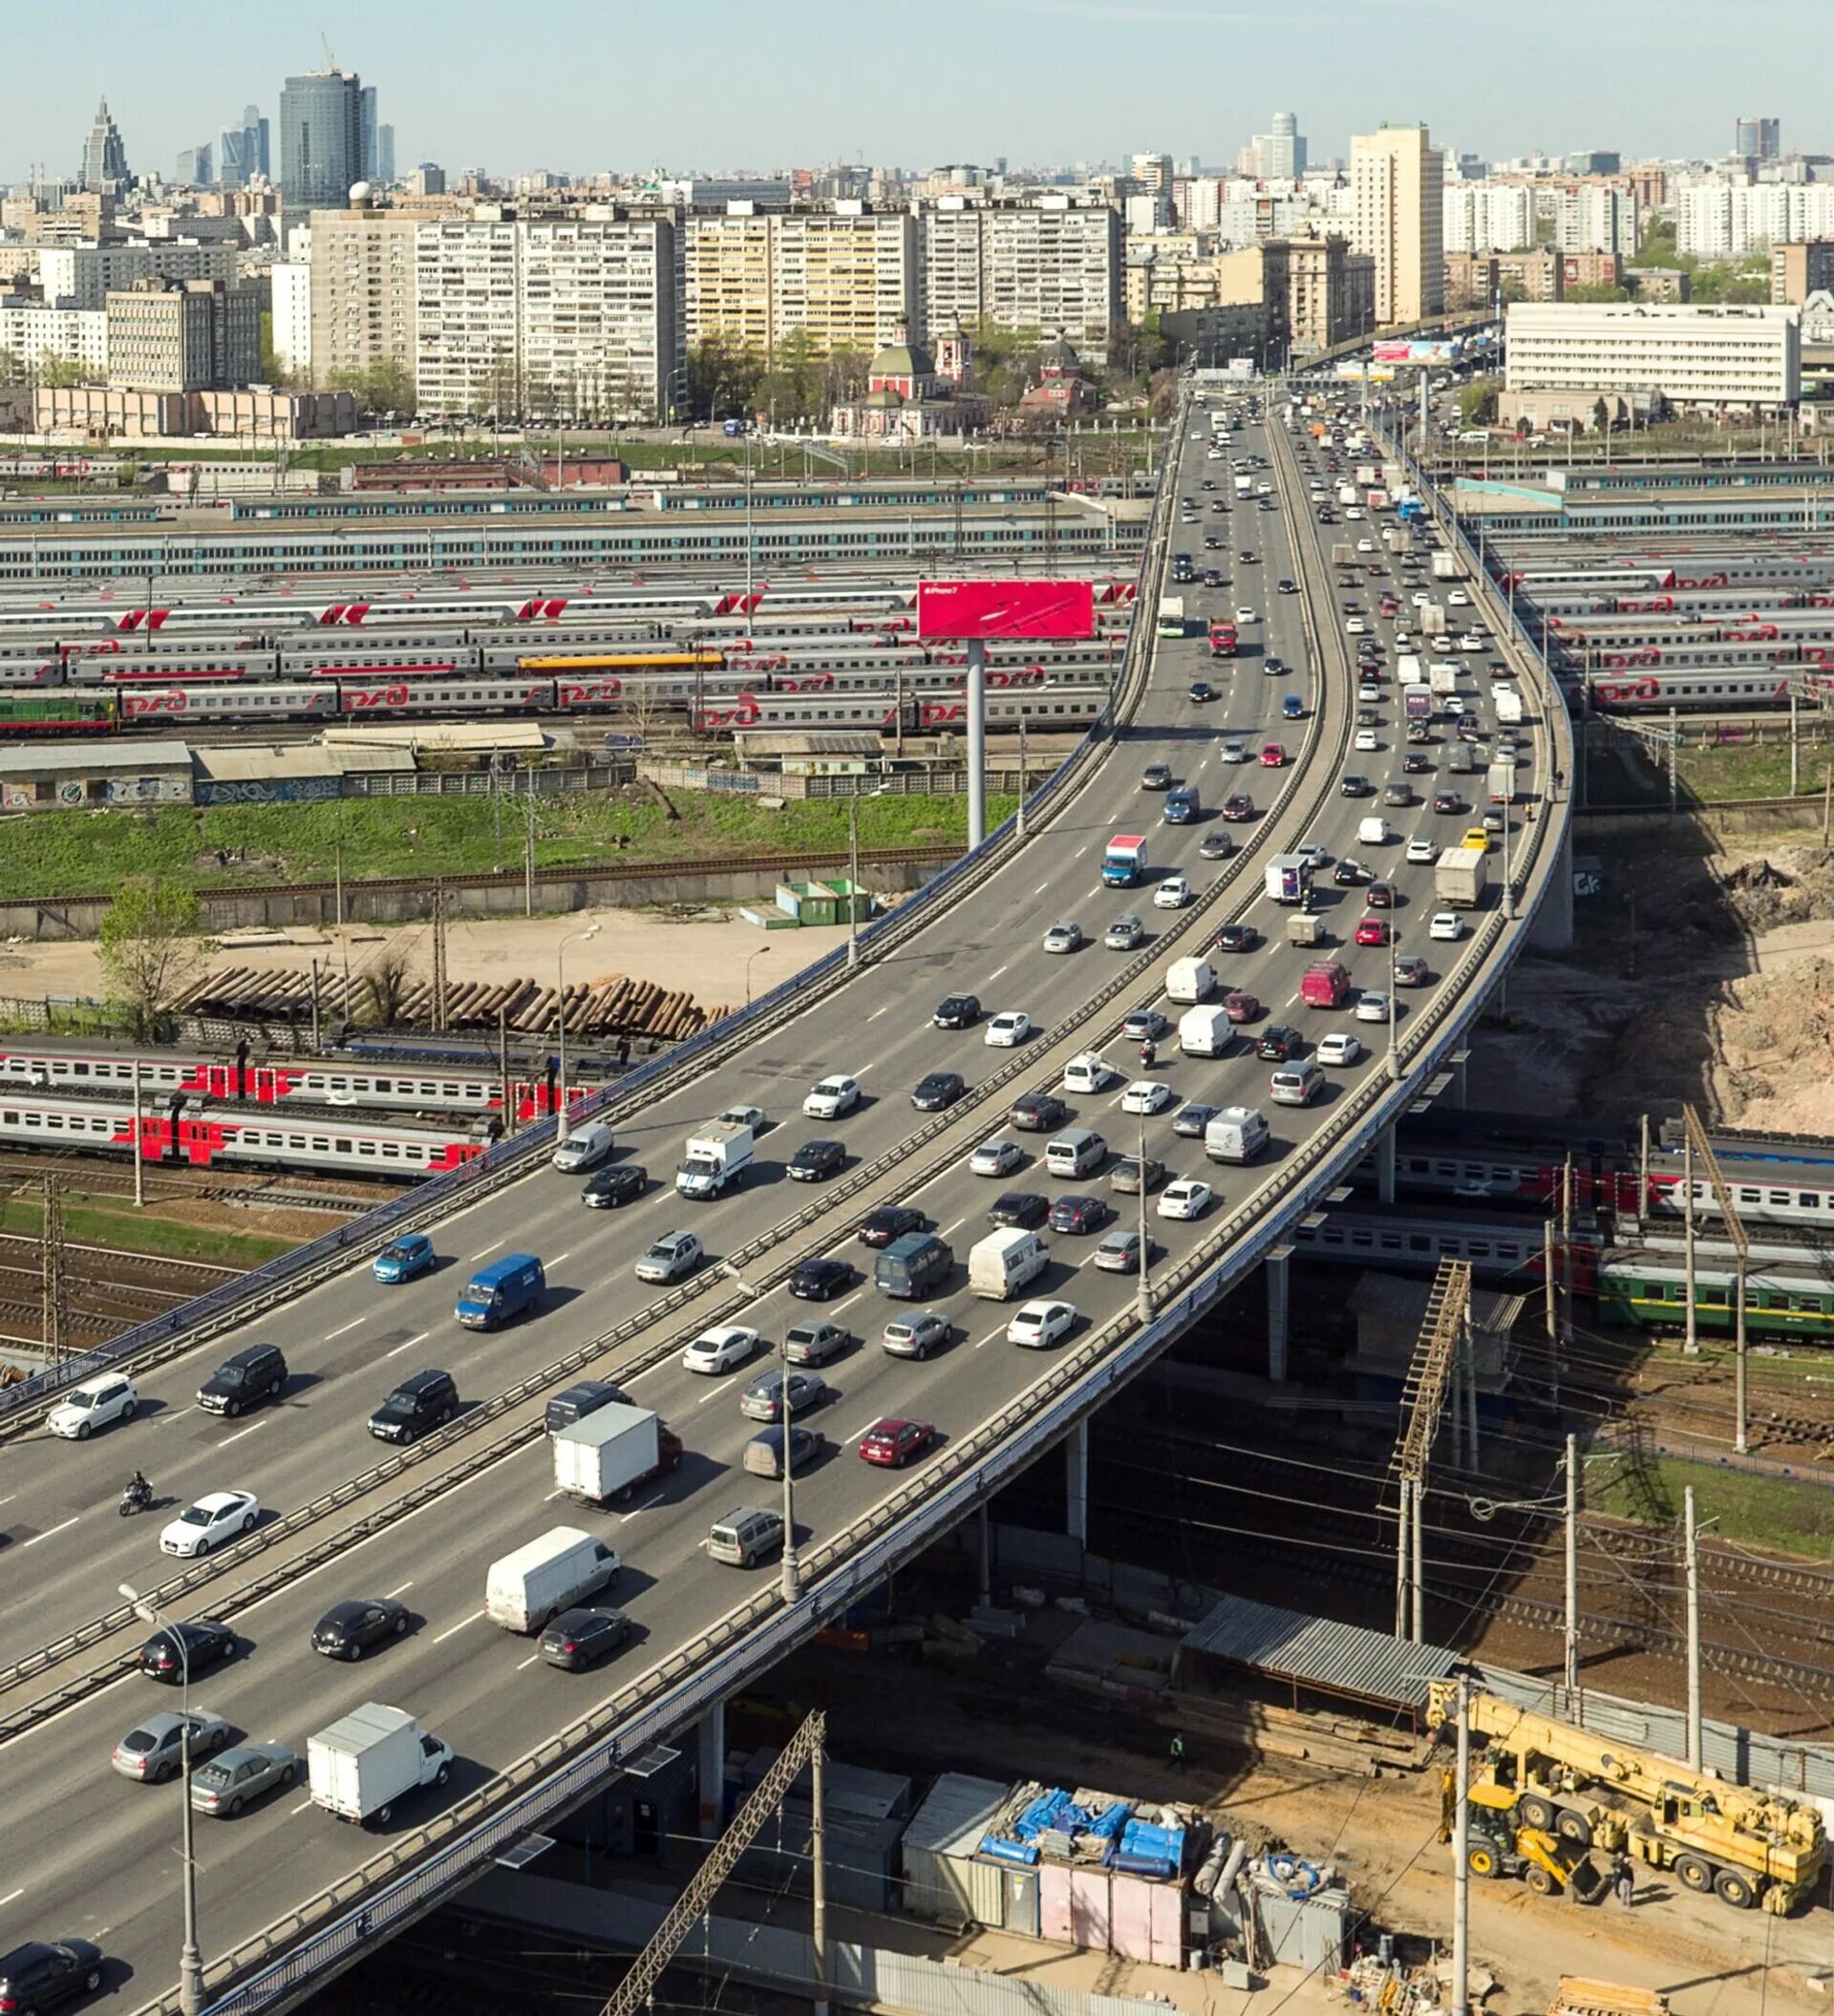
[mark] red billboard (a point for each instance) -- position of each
(994, 610)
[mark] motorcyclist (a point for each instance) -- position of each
(138, 1491)
(1149, 1053)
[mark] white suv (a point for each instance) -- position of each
(110, 1397)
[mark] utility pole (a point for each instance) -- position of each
(528, 848)
(1827, 801)
(502, 1070)
(853, 880)
(139, 1161)
(1675, 749)
(338, 870)
(1144, 1297)
(1691, 1336)
(1690, 1540)
(818, 1881)
(317, 1027)
(1701, 1143)
(1572, 1571)
(1795, 747)
(1460, 1847)
(1547, 1303)
(439, 956)
(51, 1248)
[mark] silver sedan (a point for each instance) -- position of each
(762, 1400)
(153, 1749)
(229, 1782)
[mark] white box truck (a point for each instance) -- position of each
(1444, 677)
(1286, 877)
(1205, 1032)
(1446, 567)
(529, 1588)
(1508, 706)
(608, 1455)
(1407, 670)
(372, 1757)
(1501, 782)
(1459, 876)
(1001, 1266)
(718, 1156)
(1189, 980)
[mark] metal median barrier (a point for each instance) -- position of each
(416, 1871)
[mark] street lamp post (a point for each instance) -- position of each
(560, 995)
(1394, 1017)
(190, 1959)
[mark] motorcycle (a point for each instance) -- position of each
(136, 1497)
(1149, 1055)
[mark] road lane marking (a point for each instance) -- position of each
(331, 1336)
(718, 1390)
(995, 973)
(301, 1807)
(522, 1664)
(180, 1413)
(491, 1249)
(455, 1630)
(886, 1011)
(559, 1257)
(991, 1335)
(47, 1533)
(240, 1433)
(12, 1895)
(955, 1227)
(1041, 889)
(402, 1590)
(862, 1432)
(419, 1337)
(1081, 852)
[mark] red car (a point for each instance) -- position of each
(1373, 931)
(1274, 756)
(893, 1443)
(1238, 806)
(1241, 1005)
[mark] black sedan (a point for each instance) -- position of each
(1236, 937)
(1080, 1214)
(1347, 874)
(1019, 1207)
(957, 1012)
(821, 1280)
(814, 1161)
(348, 1630)
(1415, 764)
(1278, 1043)
(937, 1090)
(1447, 801)
(1354, 785)
(1201, 689)
(205, 1642)
(888, 1221)
(608, 1188)
(576, 1638)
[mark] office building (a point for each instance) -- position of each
(104, 157)
(1397, 189)
(363, 286)
(1595, 161)
(321, 138)
(429, 179)
(1756, 138)
(290, 291)
(366, 144)
(1051, 263)
(1799, 269)
(190, 336)
(82, 276)
(1279, 156)
(547, 316)
(1563, 357)
(385, 154)
(242, 151)
(846, 277)
(195, 167)
(1152, 173)
(1487, 217)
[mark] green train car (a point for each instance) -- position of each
(1648, 1290)
(59, 710)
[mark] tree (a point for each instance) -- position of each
(1597, 291)
(1601, 415)
(387, 981)
(1477, 402)
(152, 944)
(57, 370)
(722, 379)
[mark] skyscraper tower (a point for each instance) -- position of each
(366, 147)
(104, 157)
(321, 138)
(1756, 137)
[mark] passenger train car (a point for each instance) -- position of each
(1647, 1288)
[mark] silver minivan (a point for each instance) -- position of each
(1078, 1151)
(745, 1535)
(1296, 1084)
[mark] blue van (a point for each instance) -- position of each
(502, 1291)
(911, 1265)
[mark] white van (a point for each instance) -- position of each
(1372, 832)
(1000, 1265)
(1206, 1032)
(1190, 979)
(527, 1590)
(1237, 1134)
(1077, 1151)
(1088, 1072)
(584, 1148)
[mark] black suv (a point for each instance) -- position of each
(957, 1012)
(244, 1381)
(417, 1405)
(575, 1403)
(608, 1188)
(1278, 1043)
(46, 1971)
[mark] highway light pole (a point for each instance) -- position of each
(1145, 1294)
(1393, 1018)
(560, 999)
(191, 1996)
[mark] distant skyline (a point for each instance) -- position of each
(759, 84)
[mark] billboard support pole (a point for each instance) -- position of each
(976, 742)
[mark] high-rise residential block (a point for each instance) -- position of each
(1050, 263)
(363, 278)
(290, 290)
(1799, 268)
(1595, 216)
(82, 276)
(1397, 189)
(1486, 217)
(321, 138)
(847, 277)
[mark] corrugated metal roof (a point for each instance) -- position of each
(1344, 1659)
(224, 763)
(957, 1814)
(89, 760)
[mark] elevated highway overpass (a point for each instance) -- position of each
(285, 1895)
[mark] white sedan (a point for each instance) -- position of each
(1038, 1324)
(1447, 924)
(1008, 1030)
(1354, 626)
(1372, 1005)
(1246, 616)
(1366, 739)
(1339, 1046)
(219, 1515)
(1423, 849)
(1186, 1199)
(995, 1158)
(722, 1347)
(1146, 1095)
(829, 1099)
(1172, 894)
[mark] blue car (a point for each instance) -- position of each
(406, 1257)
(1294, 708)
(1181, 806)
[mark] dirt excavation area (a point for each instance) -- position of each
(1703, 973)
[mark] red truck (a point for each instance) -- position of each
(1221, 638)
(1325, 984)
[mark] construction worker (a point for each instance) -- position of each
(1178, 1754)
(1624, 1881)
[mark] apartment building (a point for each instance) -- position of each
(1474, 280)
(1487, 217)
(537, 316)
(1562, 358)
(847, 276)
(31, 330)
(1330, 293)
(1595, 216)
(1799, 268)
(290, 292)
(1718, 217)
(1398, 189)
(364, 279)
(189, 336)
(1050, 262)
(82, 276)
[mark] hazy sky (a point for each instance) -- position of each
(718, 84)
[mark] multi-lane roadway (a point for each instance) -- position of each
(101, 1863)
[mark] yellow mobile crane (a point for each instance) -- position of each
(1551, 1778)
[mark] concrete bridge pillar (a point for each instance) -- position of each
(709, 1774)
(1076, 1497)
(1385, 1165)
(1278, 1287)
(1552, 930)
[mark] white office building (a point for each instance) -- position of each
(84, 276)
(31, 332)
(1488, 216)
(1564, 357)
